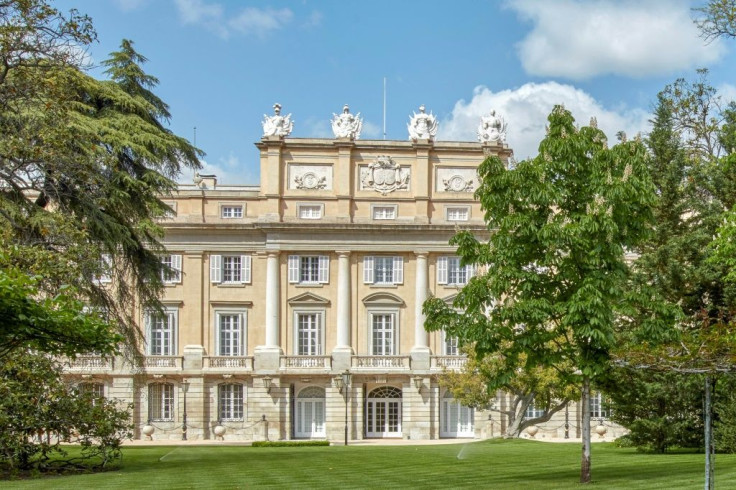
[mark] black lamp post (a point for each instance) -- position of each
(343, 383)
(184, 388)
(567, 423)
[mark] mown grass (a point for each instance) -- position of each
(489, 464)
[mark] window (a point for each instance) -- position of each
(230, 397)
(450, 345)
(230, 269)
(383, 333)
(230, 333)
(231, 211)
(450, 272)
(532, 412)
(309, 269)
(383, 270)
(310, 211)
(171, 274)
(384, 212)
(599, 406)
(104, 275)
(97, 390)
(160, 402)
(308, 333)
(457, 213)
(161, 333)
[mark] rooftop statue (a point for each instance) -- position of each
(422, 126)
(277, 125)
(492, 128)
(346, 125)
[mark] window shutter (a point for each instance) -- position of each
(398, 270)
(368, 269)
(442, 270)
(216, 268)
(293, 268)
(147, 322)
(245, 269)
(176, 265)
(106, 274)
(471, 270)
(324, 269)
(241, 334)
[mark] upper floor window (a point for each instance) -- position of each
(384, 212)
(160, 402)
(310, 211)
(383, 333)
(309, 333)
(171, 212)
(161, 331)
(230, 333)
(105, 273)
(382, 269)
(171, 273)
(231, 211)
(309, 269)
(450, 272)
(450, 345)
(457, 213)
(230, 269)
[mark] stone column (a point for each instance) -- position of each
(420, 351)
(267, 356)
(342, 353)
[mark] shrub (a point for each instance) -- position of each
(289, 443)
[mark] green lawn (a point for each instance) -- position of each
(490, 464)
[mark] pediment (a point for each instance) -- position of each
(449, 299)
(309, 299)
(383, 299)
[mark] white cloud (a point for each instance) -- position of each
(727, 92)
(526, 109)
(248, 21)
(579, 39)
(316, 128)
(229, 171)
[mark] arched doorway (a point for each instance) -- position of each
(310, 413)
(456, 420)
(383, 412)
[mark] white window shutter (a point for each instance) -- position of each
(442, 270)
(147, 325)
(176, 265)
(368, 269)
(324, 269)
(293, 268)
(216, 268)
(471, 270)
(398, 270)
(245, 269)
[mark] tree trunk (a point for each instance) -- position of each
(585, 409)
(709, 470)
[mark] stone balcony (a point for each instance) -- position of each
(228, 364)
(323, 363)
(450, 363)
(162, 364)
(90, 364)
(381, 363)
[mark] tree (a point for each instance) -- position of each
(478, 382)
(717, 18)
(555, 289)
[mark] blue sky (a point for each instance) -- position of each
(222, 64)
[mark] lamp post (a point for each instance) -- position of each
(343, 383)
(184, 388)
(567, 423)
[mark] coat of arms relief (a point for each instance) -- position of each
(384, 175)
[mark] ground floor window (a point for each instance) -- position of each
(310, 413)
(456, 420)
(383, 412)
(231, 401)
(161, 402)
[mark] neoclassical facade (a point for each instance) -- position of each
(278, 290)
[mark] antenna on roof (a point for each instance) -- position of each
(384, 107)
(195, 136)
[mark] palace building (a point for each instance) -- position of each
(295, 307)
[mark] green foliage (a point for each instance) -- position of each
(290, 443)
(724, 427)
(38, 412)
(717, 18)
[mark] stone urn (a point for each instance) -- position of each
(532, 430)
(219, 431)
(148, 431)
(601, 430)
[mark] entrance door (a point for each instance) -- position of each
(310, 413)
(383, 412)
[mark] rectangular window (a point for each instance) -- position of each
(310, 211)
(383, 269)
(309, 269)
(161, 333)
(161, 402)
(230, 269)
(231, 212)
(383, 334)
(457, 213)
(451, 348)
(171, 273)
(450, 272)
(230, 397)
(97, 390)
(309, 334)
(599, 406)
(384, 212)
(532, 412)
(105, 273)
(230, 334)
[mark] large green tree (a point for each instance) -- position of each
(556, 286)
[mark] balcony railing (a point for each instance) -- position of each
(306, 362)
(159, 362)
(241, 363)
(381, 362)
(90, 363)
(451, 363)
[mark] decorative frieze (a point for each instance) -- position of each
(384, 175)
(452, 179)
(310, 177)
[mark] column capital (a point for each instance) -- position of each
(343, 253)
(421, 253)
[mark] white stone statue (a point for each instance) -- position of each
(422, 126)
(492, 128)
(346, 125)
(277, 125)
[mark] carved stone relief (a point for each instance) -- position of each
(384, 175)
(310, 177)
(451, 179)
